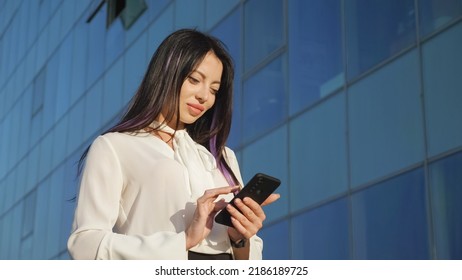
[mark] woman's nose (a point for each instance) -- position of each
(202, 95)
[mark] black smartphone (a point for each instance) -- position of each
(258, 188)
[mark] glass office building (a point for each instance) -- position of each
(356, 105)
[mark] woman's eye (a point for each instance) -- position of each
(193, 80)
(214, 91)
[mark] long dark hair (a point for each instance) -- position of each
(177, 56)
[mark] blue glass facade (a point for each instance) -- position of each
(354, 104)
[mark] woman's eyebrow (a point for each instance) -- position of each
(203, 76)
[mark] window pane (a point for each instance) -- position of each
(39, 91)
(132, 11)
(322, 233)
(156, 8)
(79, 64)
(318, 164)
(115, 38)
(386, 125)
(15, 228)
(41, 220)
(377, 30)
(28, 220)
(257, 158)
(435, 14)
(442, 68)
(189, 15)
(160, 28)
(46, 155)
(445, 180)
(92, 107)
(64, 78)
(113, 87)
(60, 141)
(227, 32)
(315, 51)
(389, 219)
(275, 241)
(96, 40)
(264, 99)
(76, 121)
(216, 9)
(51, 84)
(264, 27)
(135, 63)
(69, 194)
(54, 213)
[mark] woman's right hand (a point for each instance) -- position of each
(207, 208)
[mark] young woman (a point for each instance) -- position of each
(152, 184)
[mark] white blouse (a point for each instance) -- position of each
(134, 203)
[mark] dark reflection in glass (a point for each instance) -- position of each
(376, 30)
(315, 51)
(435, 14)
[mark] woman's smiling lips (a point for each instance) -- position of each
(195, 109)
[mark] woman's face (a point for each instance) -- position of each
(197, 94)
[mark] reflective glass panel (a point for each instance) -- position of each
(321, 233)
(376, 30)
(54, 213)
(315, 51)
(93, 107)
(28, 219)
(95, 51)
(50, 91)
(435, 14)
(216, 9)
(155, 7)
(15, 242)
(132, 12)
(113, 91)
(115, 38)
(160, 29)
(318, 163)
(390, 219)
(442, 68)
(263, 99)
(135, 63)
(76, 121)
(446, 191)
(275, 241)
(386, 124)
(189, 14)
(64, 78)
(41, 215)
(227, 32)
(263, 29)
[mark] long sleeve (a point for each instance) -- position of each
(98, 211)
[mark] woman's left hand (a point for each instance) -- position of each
(250, 219)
